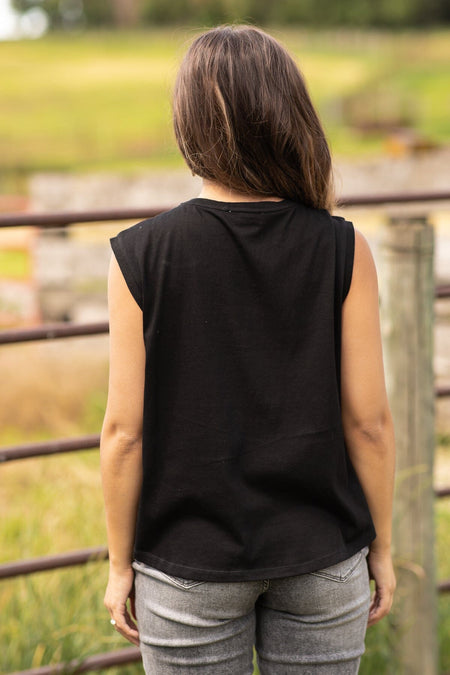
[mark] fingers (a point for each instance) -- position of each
(125, 625)
(381, 570)
(380, 606)
(120, 589)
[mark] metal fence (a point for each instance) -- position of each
(66, 330)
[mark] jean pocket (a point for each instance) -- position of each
(342, 571)
(179, 582)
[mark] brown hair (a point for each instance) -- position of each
(243, 118)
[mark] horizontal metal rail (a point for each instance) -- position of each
(444, 586)
(63, 219)
(53, 331)
(393, 198)
(442, 291)
(90, 442)
(84, 556)
(120, 657)
(26, 450)
(19, 568)
(69, 329)
(66, 218)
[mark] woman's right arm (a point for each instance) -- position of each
(366, 417)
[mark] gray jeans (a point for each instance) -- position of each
(309, 624)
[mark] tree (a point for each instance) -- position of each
(126, 13)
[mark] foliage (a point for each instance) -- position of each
(310, 12)
(72, 13)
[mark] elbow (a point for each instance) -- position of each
(120, 437)
(375, 430)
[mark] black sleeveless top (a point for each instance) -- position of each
(245, 469)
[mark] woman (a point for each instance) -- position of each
(247, 450)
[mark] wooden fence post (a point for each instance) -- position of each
(407, 315)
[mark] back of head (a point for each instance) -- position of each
(243, 118)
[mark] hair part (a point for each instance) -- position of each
(244, 119)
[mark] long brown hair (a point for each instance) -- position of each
(244, 119)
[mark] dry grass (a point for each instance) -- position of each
(52, 389)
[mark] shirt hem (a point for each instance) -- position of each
(257, 573)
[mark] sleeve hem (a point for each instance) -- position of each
(349, 258)
(127, 270)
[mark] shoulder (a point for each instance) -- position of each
(364, 270)
(162, 221)
(363, 254)
(362, 251)
(342, 226)
(362, 247)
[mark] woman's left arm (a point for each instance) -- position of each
(121, 447)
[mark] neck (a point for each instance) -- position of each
(220, 193)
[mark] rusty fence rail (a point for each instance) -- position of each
(119, 657)
(66, 330)
(27, 450)
(64, 219)
(53, 332)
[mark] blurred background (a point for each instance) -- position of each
(85, 124)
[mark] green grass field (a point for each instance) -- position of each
(101, 101)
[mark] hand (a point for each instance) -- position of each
(381, 570)
(121, 588)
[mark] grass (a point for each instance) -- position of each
(101, 100)
(443, 572)
(15, 264)
(54, 504)
(71, 624)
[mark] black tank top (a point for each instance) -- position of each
(245, 470)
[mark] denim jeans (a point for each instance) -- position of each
(310, 624)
